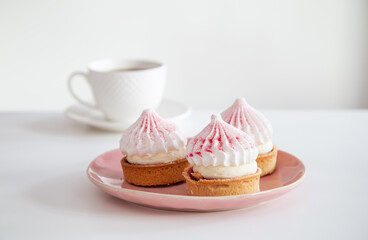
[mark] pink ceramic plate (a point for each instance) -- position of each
(106, 173)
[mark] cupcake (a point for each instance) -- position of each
(254, 123)
(223, 161)
(154, 151)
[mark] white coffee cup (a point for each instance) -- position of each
(122, 89)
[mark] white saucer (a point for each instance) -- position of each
(168, 109)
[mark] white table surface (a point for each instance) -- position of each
(45, 193)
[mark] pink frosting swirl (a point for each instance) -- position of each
(220, 144)
(243, 116)
(151, 134)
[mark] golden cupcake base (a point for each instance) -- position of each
(267, 162)
(197, 186)
(155, 174)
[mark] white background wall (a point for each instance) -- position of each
(278, 54)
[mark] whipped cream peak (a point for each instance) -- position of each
(151, 134)
(240, 101)
(220, 144)
(243, 116)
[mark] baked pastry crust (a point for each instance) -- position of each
(267, 162)
(155, 174)
(198, 186)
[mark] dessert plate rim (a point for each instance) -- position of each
(147, 193)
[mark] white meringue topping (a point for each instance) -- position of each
(150, 135)
(226, 172)
(161, 157)
(243, 116)
(266, 147)
(220, 144)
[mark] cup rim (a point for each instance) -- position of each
(109, 65)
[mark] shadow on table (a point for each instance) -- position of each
(75, 193)
(60, 126)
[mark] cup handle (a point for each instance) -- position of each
(72, 92)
